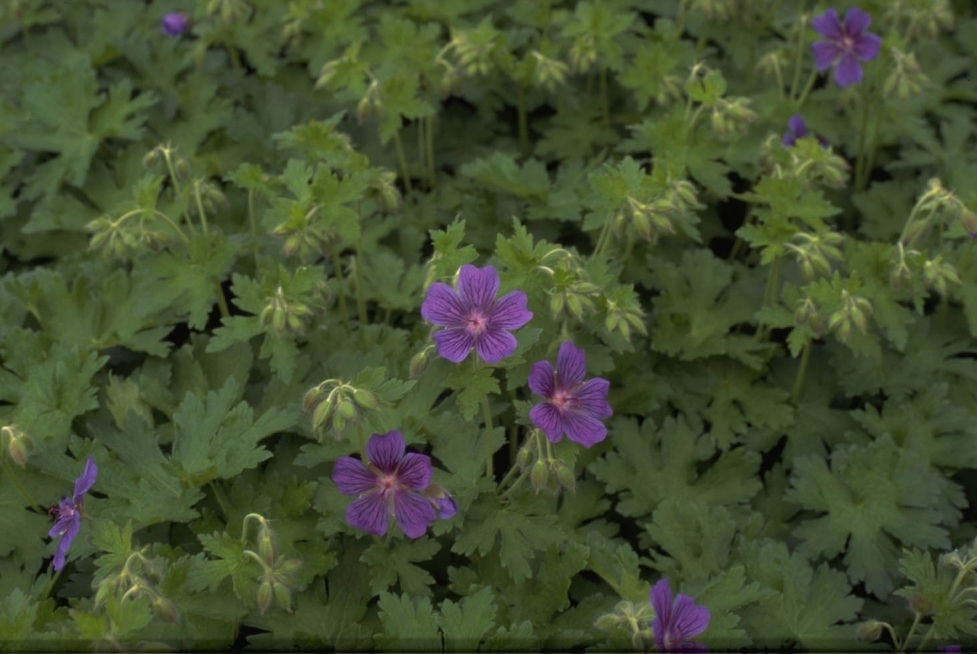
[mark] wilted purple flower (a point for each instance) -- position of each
(844, 44)
(68, 513)
(175, 23)
(389, 484)
(572, 406)
(797, 129)
(675, 624)
(951, 649)
(444, 505)
(472, 317)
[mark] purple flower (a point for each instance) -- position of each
(444, 505)
(844, 44)
(572, 406)
(389, 484)
(797, 129)
(69, 511)
(675, 624)
(951, 649)
(175, 23)
(472, 317)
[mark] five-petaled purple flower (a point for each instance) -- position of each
(844, 44)
(572, 406)
(391, 483)
(68, 513)
(472, 317)
(675, 624)
(175, 23)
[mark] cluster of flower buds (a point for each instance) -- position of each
(139, 577)
(284, 314)
(906, 77)
(474, 48)
(571, 292)
(630, 620)
(19, 444)
(546, 471)
(920, 19)
(276, 580)
(583, 52)
(623, 312)
(854, 311)
(938, 206)
(807, 315)
(229, 10)
(814, 252)
(334, 403)
(371, 103)
(732, 116)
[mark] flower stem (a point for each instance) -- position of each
(200, 206)
(487, 413)
(807, 88)
(429, 136)
(341, 296)
(604, 97)
(604, 238)
(769, 294)
(23, 491)
(254, 225)
(402, 162)
(860, 160)
(221, 300)
(360, 298)
(798, 59)
(516, 484)
(799, 379)
(523, 121)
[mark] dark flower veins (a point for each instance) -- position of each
(571, 405)
(68, 513)
(473, 318)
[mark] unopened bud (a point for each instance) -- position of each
(346, 409)
(869, 631)
(539, 476)
(266, 544)
(19, 448)
(288, 566)
(418, 364)
(338, 424)
(283, 596)
(265, 592)
(608, 622)
(165, 610)
(365, 399)
(921, 605)
(565, 476)
(322, 413)
(522, 458)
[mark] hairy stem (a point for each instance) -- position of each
(795, 393)
(341, 296)
(402, 162)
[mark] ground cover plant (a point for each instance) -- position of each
(457, 325)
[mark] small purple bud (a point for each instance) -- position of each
(175, 23)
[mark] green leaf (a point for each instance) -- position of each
(501, 172)
(390, 565)
(669, 461)
(212, 440)
(449, 254)
(474, 384)
(808, 604)
(466, 623)
(871, 496)
(226, 559)
(408, 623)
(519, 534)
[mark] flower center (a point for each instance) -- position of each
(388, 483)
(561, 401)
(848, 43)
(476, 323)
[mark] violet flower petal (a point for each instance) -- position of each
(386, 451)
(571, 365)
(591, 397)
(546, 417)
(689, 620)
(493, 345)
(510, 312)
(867, 46)
(352, 477)
(415, 471)
(856, 22)
(848, 71)
(583, 429)
(414, 514)
(825, 54)
(478, 287)
(454, 343)
(442, 306)
(85, 482)
(369, 513)
(828, 25)
(67, 538)
(447, 507)
(541, 379)
(797, 126)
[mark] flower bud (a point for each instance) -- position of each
(338, 424)
(19, 446)
(608, 622)
(869, 631)
(322, 413)
(539, 476)
(346, 409)
(418, 364)
(921, 605)
(365, 399)
(283, 596)
(522, 458)
(164, 610)
(565, 476)
(266, 543)
(265, 592)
